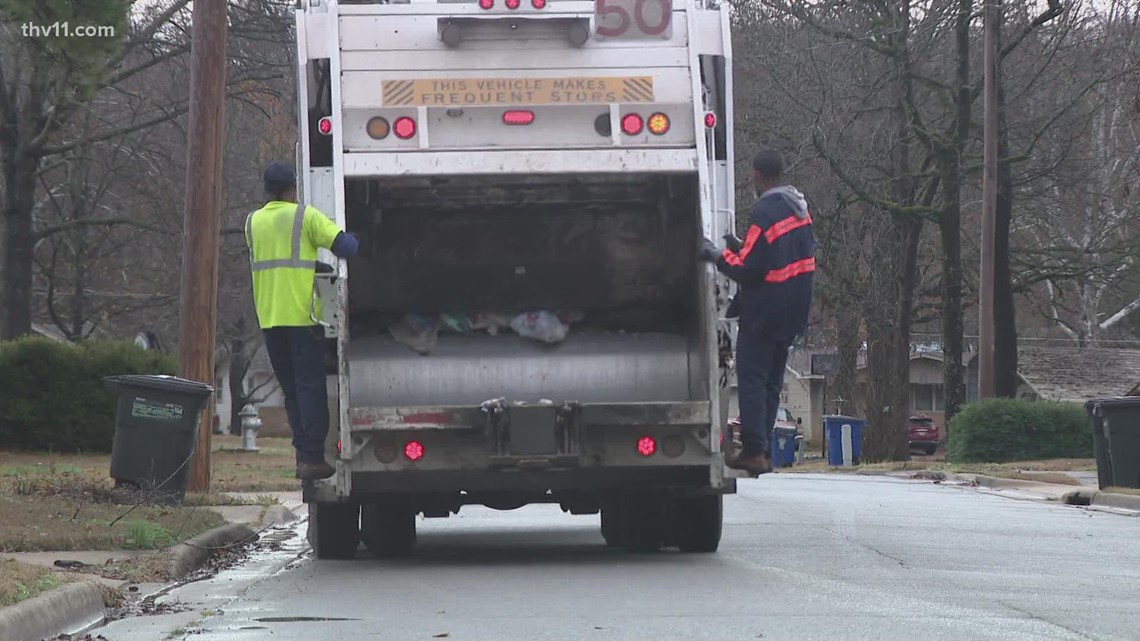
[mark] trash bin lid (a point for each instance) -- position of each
(160, 382)
(1117, 402)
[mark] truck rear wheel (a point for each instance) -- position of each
(334, 530)
(642, 525)
(612, 527)
(388, 530)
(698, 523)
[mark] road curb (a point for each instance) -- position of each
(75, 607)
(1096, 498)
(69, 609)
(189, 555)
(278, 515)
(997, 483)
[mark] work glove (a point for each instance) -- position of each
(733, 243)
(709, 251)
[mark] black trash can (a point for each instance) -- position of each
(1118, 445)
(1100, 446)
(156, 429)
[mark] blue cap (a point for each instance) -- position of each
(279, 177)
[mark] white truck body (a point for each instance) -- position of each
(517, 156)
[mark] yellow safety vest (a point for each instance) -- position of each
(283, 239)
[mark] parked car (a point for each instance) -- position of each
(784, 419)
(922, 434)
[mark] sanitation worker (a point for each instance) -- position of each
(774, 266)
(283, 237)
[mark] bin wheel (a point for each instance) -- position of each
(643, 521)
(334, 530)
(388, 530)
(612, 527)
(698, 523)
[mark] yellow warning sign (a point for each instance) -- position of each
(516, 91)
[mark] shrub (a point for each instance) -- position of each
(1001, 430)
(52, 395)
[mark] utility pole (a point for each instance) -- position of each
(202, 217)
(989, 204)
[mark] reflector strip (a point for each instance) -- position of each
(798, 268)
(791, 223)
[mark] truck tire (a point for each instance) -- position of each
(698, 523)
(389, 531)
(643, 525)
(612, 527)
(334, 530)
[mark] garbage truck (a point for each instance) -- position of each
(527, 320)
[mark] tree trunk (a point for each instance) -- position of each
(239, 366)
(950, 226)
(888, 356)
(1006, 380)
(19, 174)
(953, 371)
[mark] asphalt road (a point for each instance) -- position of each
(836, 558)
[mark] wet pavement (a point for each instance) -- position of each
(804, 557)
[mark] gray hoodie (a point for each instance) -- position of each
(792, 196)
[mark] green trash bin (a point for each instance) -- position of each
(156, 429)
(1120, 418)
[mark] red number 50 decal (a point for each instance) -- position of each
(621, 9)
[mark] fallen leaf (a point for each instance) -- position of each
(441, 636)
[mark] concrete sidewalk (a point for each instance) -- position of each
(1082, 495)
(253, 515)
(78, 604)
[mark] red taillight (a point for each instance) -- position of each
(513, 4)
(414, 450)
(631, 124)
(538, 4)
(404, 127)
(339, 446)
(325, 125)
(486, 4)
(710, 120)
(646, 446)
(518, 117)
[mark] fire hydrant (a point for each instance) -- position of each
(250, 426)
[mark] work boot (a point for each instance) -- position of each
(754, 464)
(314, 471)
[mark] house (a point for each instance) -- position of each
(809, 383)
(51, 333)
(1073, 374)
(260, 381)
(927, 388)
(803, 395)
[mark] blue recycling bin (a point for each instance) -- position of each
(844, 436)
(783, 446)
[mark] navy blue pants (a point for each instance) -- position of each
(760, 363)
(298, 358)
